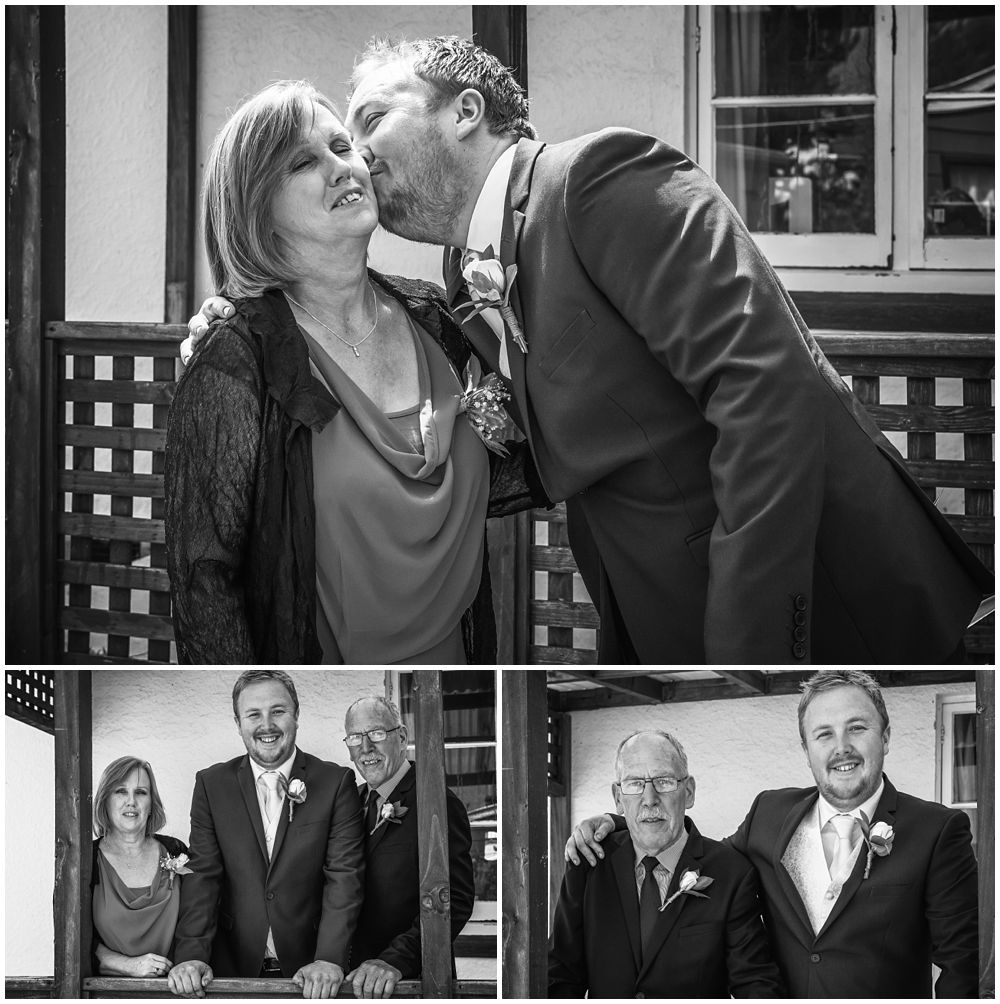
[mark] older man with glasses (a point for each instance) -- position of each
(386, 945)
(666, 912)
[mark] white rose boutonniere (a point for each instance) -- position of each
(295, 791)
(691, 883)
(878, 839)
(489, 286)
(175, 866)
(391, 812)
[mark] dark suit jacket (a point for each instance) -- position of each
(310, 891)
(725, 490)
(713, 947)
(917, 906)
(389, 926)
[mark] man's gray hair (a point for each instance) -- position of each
(382, 702)
(828, 679)
(673, 740)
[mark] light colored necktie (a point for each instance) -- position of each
(844, 825)
(272, 800)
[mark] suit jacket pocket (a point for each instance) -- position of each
(698, 545)
(566, 344)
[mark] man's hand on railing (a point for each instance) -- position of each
(189, 979)
(319, 979)
(212, 309)
(374, 978)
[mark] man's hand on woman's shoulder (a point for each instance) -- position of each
(212, 309)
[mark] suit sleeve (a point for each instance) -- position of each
(952, 908)
(568, 976)
(665, 246)
(752, 972)
(200, 891)
(343, 875)
(404, 951)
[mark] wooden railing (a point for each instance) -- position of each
(114, 382)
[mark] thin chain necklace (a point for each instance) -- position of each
(351, 345)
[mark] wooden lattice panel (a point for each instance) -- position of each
(30, 698)
(932, 394)
(114, 384)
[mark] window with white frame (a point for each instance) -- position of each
(956, 754)
(853, 136)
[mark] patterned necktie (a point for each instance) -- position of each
(844, 825)
(371, 811)
(272, 800)
(649, 903)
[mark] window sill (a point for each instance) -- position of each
(859, 280)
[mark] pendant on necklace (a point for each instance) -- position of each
(357, 355)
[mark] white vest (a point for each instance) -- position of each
(805, 861)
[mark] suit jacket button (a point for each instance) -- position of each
(799, 650)
(270, 895)
(799, 634)
(799, 618)
(814, 957)
(800, 602)
(640, 996)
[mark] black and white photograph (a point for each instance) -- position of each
(708, 834)
(251, 833)
(500, 335)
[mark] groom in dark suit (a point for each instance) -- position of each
(277, 856)
(728, 498)
(863, 887)
(387, 946)
(629, 928)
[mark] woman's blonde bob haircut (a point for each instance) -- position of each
(246, 166)
(114, 774)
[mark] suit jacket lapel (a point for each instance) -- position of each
(479, 333)
(885, 812)
(298, 771)
(788, 887)
(689, 860)
(513, 224)
(248, 789)
(623, 866)
(401, 793)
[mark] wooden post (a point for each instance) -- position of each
(432, 836)
(73, 787)
(985, 841)
(525, 845)
(560, 803)
(503, 30)
(36, 200)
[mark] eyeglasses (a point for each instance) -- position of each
(637, 785)
(374, 735)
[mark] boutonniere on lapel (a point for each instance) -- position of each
(295, 792)
(878, 839)
(174, 866)
(483, 401)
(489, 286)
(691, 884)
(391, 812)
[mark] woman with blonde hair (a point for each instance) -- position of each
(327, 477)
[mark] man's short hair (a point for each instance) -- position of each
(673, 740)
(448, 65)
(383, 702)
(244, 170)
(116, 772)
(828, 679)
(249, 676)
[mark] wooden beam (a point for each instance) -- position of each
(73, 788)
(36, 201)
(752, 681)
(525, 845)
(985, 840)
(633, 685)
(231, 987)
(503, 30)
(432, 836)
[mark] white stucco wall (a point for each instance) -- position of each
(28, 839)
(738, 748)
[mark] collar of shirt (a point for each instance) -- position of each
(668, 865)
(827, 811)
(285, 768)
(486, 225)
(387, 788)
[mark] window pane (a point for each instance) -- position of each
(960, 170)
(799, 170)
(963, 764)
(772, 50)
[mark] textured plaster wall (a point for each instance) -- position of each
(242, 49)
(604, 65)
(29, 838)
(116, 135)
(737, 748)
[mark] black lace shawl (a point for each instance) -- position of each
(240, 519)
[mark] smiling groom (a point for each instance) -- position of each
(276, 883)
